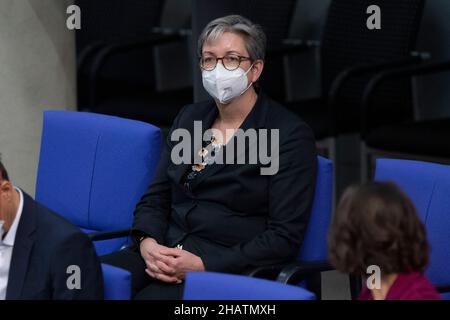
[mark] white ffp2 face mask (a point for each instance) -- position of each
(225, 85)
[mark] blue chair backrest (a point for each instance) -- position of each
(220, 286)
(94, 168)
(428, 186)
(314, 247)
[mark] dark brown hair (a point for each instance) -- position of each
(377, 224)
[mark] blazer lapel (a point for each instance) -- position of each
(180, 170)
(254, 120)
(23, 246)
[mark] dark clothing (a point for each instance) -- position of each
(231, 216)
(411, 286)
(44, 248)
(143, 286)
(192, 173)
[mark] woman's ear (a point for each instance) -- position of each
(256, 70)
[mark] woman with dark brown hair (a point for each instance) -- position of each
(376, 232)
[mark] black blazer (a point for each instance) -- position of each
(233, 217)
(44, 247)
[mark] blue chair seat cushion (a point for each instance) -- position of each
(220, 286)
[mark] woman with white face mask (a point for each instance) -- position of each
(224, 213)
(231, 64)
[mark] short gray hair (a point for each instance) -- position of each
(255, 39)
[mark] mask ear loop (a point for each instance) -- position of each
(251, 83)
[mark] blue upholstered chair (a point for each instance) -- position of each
(312, 258)
(220, 286)
(116, 283)
(93, 170)
(428, 186)
(314, 247)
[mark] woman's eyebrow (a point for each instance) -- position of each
(227, 53)
(234, 52)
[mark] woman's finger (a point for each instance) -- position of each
(168, 260)
(165, 278)
(165, 268)
(170, 252)
(151, 274)
(152, 267)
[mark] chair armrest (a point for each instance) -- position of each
(402, 72)
(266, 272)
(157, 33)
(87, 52)
(363, 69)
(171, 31)
(107, 235)
(273, 271)
(297, 272)
(105, 52)
(443, 289)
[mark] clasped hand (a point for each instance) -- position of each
(168, 264)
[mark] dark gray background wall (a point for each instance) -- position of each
(37, 72)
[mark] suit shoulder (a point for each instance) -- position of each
(55, 226)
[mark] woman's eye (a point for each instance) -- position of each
(232, 59)
(208, 60)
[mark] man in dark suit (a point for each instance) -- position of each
(42, 256)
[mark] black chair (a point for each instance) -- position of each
(350, 54)
(427, 140)
(275, 18)
(116, 52)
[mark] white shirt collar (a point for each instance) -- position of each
(11, 235)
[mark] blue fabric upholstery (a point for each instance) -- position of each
(93, 169)
(415, 178)
(207, 285)
(428, 185)
(117, 283)
(219, 286)
(314, 247)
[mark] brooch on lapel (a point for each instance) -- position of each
(207, 157)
